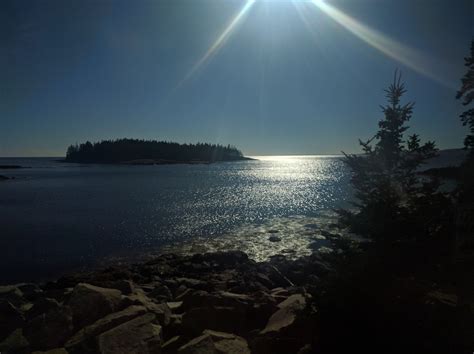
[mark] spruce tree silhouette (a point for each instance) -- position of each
(393, 202)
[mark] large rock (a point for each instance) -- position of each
(228, 343)
(200, 345)
(286, 315)
(288, 329)
(41, 306)
(173, 344)
(11, 294)
(161, 293)
(139, 336)
(192, 283)
(219, 318)
(84, 340)
(10, 318)
(125, 286)
(162, 311)
(30, 291)
(15, 343)
(89, 303)
(213, 342)
(49, 330)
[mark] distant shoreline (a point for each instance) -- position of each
(152, 162)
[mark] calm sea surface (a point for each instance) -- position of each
(56, 217)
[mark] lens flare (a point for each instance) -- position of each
(388, 46)
(220, 41)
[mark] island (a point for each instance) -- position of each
(150, 152)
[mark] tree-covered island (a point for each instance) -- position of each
(149, 152)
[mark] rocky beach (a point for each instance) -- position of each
(226, 302)
(220, 302)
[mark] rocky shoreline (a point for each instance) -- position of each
(221, 302)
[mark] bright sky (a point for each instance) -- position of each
(269, 76)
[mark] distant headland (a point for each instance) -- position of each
(150, 152)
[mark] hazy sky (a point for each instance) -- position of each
(270, 76)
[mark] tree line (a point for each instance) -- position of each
(123, 150)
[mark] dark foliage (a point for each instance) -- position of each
(449, 172)
(123, 150)
(394, 203)
(466, 93)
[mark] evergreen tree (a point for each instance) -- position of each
(393, 202)
(466, 93)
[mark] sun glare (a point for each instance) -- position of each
(220, 41)
(388, 46)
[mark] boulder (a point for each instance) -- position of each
(219, 318)
(274, 238)
(161, 293)
(11, 294)
(162, 311)
(30, 291)
(200, 345)
(172, 345)
(192, 283)
(286, 315)
(125, 286)
(213, 342)
(10, 318)
(84, 340)
(15, 343)
(175, 327)
(58, 294)
(41, 306)
(175, 306)
(140, 336)
(288, 329)
(89, 303)
(49, 330)
(227, 343)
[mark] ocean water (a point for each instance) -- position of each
(56, 217)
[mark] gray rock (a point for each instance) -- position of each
(41, 306)
(274, 239)
(89, 303)
(191, 283)
(286, 315)
(228, 343)
(125, 286)
(161, 292)
(10, 318)
(287, 330)
(175, 306)
(213, 342)
(30, 291)
(49, 330)
(175, 327)
(172, 345)
(15, 343)
(140, 336)
(162, 311)
(219, 318)
(12, 294)
(200, 345)
(84, 340)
